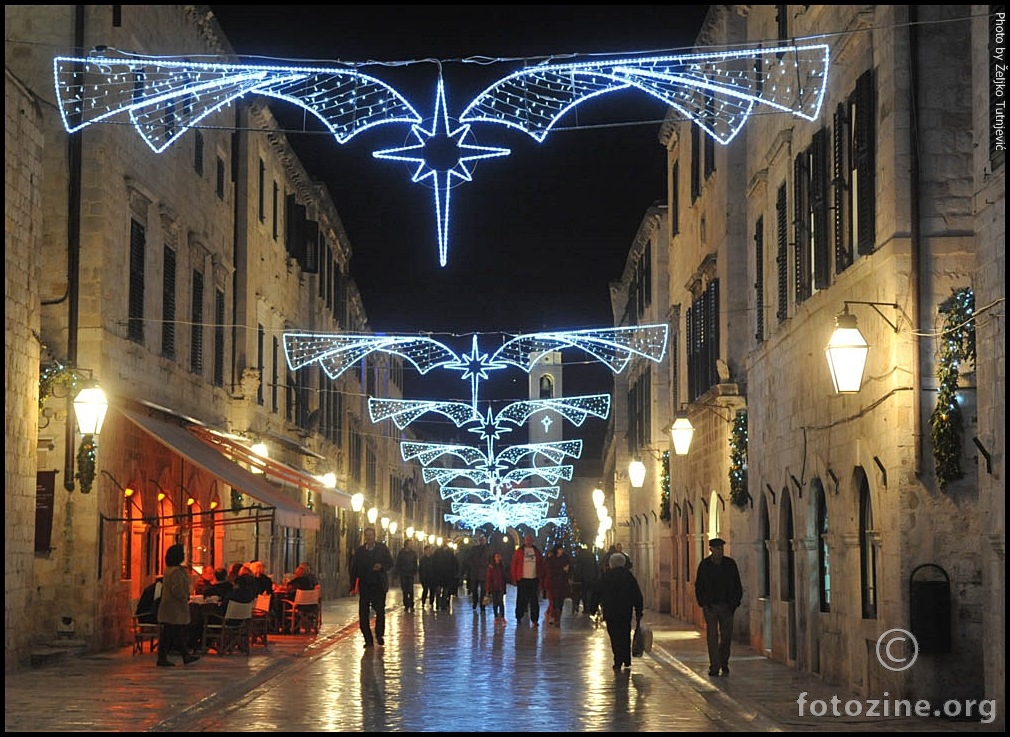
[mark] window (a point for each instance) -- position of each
(546, 387)
(261, 191)
(703, 341)
(675, 199)
(854, 175)
(275, 375)
(260, 338)
(219, 186)
(709, 140)
(867, 553)
(765, 581)
(781, 254)
(168, 304)
(759, 280)
(198, 152)
(823, 558)
(696, 156)
(196, 320)
(274, 214)
(218, 337)
(810, 254)
(138, 247)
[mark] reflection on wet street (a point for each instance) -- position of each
(457, 671)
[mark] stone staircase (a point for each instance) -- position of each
(56, 651)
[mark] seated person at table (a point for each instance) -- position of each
(150, 599)
(246, 587)
(304, 578)
(264, 583)
(221, 587)
(205, 581)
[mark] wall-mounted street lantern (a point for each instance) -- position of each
(682, 432)
(847, 349)
(636, 473)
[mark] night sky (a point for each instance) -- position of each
(536, 236)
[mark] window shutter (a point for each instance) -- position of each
(294, 235)
(843, 252)
(819, 207)
(310, 260)
(168, 305)
(801, 239)
(866, 163)
(781, 258)
(138, 246)
(196, 337)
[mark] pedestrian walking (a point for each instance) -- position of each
(496, 580)
(426, 574)
(529, 572)
(718, 589)
(620, 594)
(372, 562)
(406, 569)
(558, 585)
(477, 562)
(446, 576)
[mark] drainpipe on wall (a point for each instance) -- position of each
(915, 252)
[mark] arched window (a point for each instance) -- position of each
(766, 567)
(787, 533)
(546, 387)
(867, 553)
(823, 559)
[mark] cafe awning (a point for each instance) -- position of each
(275, 469)
(287, 512)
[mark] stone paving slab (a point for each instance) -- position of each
(119, 691)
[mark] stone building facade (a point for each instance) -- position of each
(884, 206)
(170, 278)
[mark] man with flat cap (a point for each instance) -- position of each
(718, 590)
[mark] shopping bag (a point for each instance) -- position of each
(641, 643)
(646, 632)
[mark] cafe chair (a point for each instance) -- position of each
(148, 632)
(230, 632)
(303, 611)
(261, 622)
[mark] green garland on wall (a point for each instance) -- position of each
(738, 495)
(957, 346)
(86, 463)
(664, 485)
(53, 375)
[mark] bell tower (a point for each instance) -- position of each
(545, 383)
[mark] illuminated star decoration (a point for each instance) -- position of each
(486, 485)
(718, 91)
(441, 155)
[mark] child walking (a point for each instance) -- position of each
(496, 588)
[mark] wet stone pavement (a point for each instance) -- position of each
(438, 672)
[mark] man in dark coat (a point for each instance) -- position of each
(619, 595)
(406, 569)
(718, 590)
(372, 563)
(477, 562)
(445, 575)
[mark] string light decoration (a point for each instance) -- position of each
(493, 484)
(165, 98)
